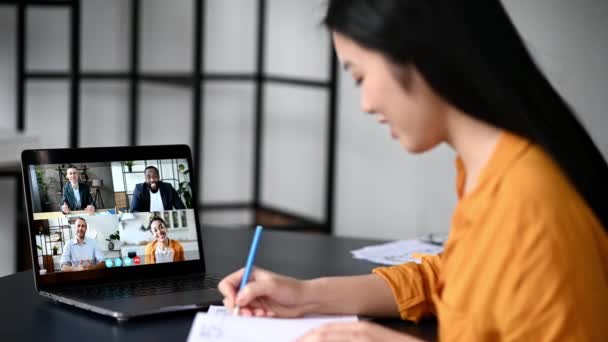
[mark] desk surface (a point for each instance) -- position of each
(56, 214)
(27, 316)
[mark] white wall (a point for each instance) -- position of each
(570, 41)
(381, 191)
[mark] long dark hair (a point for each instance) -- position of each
(472, 56)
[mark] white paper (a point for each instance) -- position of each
(218, 310)
(397, 252)
(218, 326)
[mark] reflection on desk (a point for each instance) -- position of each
(58, 214)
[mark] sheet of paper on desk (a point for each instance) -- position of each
(219, 326)
(218, 310)
(397, 252)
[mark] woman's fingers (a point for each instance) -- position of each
(255, 290)
(228, 287)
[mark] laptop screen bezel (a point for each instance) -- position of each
(52, 281)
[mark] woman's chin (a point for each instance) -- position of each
(414, 147)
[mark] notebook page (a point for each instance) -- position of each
(228, 328)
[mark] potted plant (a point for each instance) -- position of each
(43, 189)
(55, 250)
(112, 237)
(129, 165)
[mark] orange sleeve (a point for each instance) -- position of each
(150, 253)
(413, 285)
(179, 251)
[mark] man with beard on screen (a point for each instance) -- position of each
(81, 253)
(155, 195)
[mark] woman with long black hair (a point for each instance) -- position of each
(527, 255)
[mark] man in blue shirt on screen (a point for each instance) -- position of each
(81, 253)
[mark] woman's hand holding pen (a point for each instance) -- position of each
(267, 294)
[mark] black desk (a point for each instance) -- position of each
(27, 316)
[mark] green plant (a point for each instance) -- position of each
(55, 250)
(129, 165)
(43, 186)
(115, 236)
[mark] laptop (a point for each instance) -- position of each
(115, 230)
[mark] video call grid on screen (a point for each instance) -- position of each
(106, 222)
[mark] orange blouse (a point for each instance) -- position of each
(175, 245)
(526, 259)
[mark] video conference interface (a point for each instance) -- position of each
(91, 216)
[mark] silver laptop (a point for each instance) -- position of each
(115, 230)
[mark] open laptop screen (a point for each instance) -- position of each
(96, 217)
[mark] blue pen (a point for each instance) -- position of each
(249, 264)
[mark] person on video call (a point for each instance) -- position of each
(155, 195)
(81, 253)
(76, 195)
(162, 249)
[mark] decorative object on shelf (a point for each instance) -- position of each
(83, 176)
(43, 227)
(123, 218)
(47, 261)
(129, 165)
(56, 236)
(97, 198)
(55, 250)
(167, 218)
(184, 219)
(175, 220)
(112, 237)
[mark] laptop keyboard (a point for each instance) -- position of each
(147, 287)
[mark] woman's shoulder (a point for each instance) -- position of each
(176, 244)
(535, 176)
(534, 192)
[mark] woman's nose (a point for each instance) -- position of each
(366, 105)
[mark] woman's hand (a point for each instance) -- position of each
(355, 331)
(266, 294)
